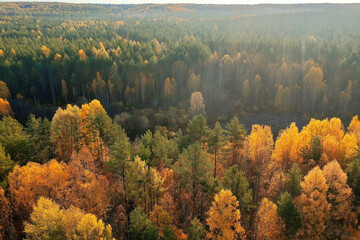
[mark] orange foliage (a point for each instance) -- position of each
(5, 108)
(46, 51)
(29, 182)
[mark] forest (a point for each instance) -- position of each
(179, 121)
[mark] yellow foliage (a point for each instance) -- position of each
(288, 147)
(313, 204)
(57, 57)
(46, 51)
(269, 224)
(82, 55)
(224, 218)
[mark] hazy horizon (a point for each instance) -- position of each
(253, 2)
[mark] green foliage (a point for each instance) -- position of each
(196, 230)
(6, 166)
(120, 154)
(293, 179)
(141, 227)
(239, 186)
(196, 129)
(353, 171)
(15, 140)
(289, 213)
(314, 151)
(157, 148)
(39, 138)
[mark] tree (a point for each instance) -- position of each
(89, 190)
(292, 181)
(197, 230)
(72, 217)
(288, 147)
(161, 219)
(120, 154)
(224, 218)
(46, 51)
(65, 132)
(194, 83)
(6, 165)
(197, 105)
(289, 214)
(91, 228)
(260, 145)
(215, 142)
(15, 140)
(144, 185)
(269, 224)
(313, 204)
(28, 183)
(339, 195)
(195, 171)
(141, 227)
(353, 171)
(4, 91)
(97, 129)
(236, 134)
(39, 137)
(5, 108)
(45, 221)
(169, 89)
(196, 129)
(6, 221)
(239, 186)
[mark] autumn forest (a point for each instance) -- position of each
(179, 121)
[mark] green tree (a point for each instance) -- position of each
(141, 227)
(289, 213)
(120, 154)
(6, 166)
(216, 142)
(236, 134)
(195, 171)
(39, 137)
(15, 140)
(196, 230)
(239, 186)
(292, 181)
(196, 129)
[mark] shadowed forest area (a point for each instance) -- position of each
(179, 121)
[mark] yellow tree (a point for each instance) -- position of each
(224, 218)
(341, 216)
(96, 128)
(46, 51)
(354, 128)
(313, 204)
(288, 147)
(65, 132)
(260, 145)
(169, 89)
(45, 221)
(82, 55)
(269, 224)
